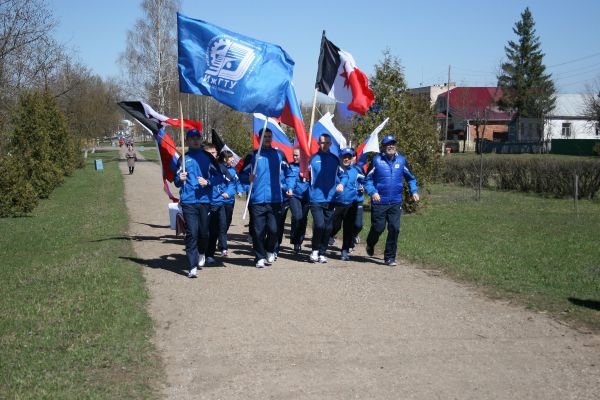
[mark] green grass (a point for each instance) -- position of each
(74, 323)
(525, 247)
(150, 153)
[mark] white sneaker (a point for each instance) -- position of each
(224, 253)
(345, 255)
(201, 261)
(210, 260)
(322, 259)
(260, 263)
(270, 258)
(193, 273)
(314, 256)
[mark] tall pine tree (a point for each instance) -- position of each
(527, 89)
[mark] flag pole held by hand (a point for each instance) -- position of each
(255, 164)
(182, 137)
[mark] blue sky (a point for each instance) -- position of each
(426, 35)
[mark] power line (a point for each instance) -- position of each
(595, 66)
(575, 60)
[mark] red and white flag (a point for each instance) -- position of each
(339, 78)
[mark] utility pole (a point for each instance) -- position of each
(447, 111)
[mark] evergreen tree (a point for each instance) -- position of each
(64, 148)
(236, 131)
(17, 195)
(31, 143)
(411, 122)
(526, 87)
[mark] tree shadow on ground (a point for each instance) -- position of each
(587, 303)
(153, 225)
(176, 263)
(244, 249)
(171, 239)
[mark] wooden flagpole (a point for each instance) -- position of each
(314, 104)
(255, 164)
(182, 136)
(312, 120)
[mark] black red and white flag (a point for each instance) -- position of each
(339, 78)
(154, 123)
(153, 120)
(221, 145)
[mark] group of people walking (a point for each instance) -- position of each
(333, 191)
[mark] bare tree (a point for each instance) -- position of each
(592, 102)
(150, 57)
(88, 101)
(26, 48)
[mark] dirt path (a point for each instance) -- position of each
(340, 330)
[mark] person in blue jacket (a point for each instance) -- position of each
(344, 215)
(285, 206)
(223, 189)
(359, 201)
(384, 183)
(266, 197)
(226, 158)
(195, 194)
(326, 178)
(297, 192)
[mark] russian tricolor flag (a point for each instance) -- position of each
(325, 125)
(280, 139)
(370, 145)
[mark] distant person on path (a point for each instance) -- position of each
(195, 193)
(266, 197)
(131, 158)
(384, 183)
(326, 178)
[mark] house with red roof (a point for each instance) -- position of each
(473, 113)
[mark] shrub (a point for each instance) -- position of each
(546, 176)
(17, 195)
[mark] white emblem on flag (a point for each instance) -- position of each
(228, 59)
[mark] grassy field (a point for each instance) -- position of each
(74, 323)
(524, 247)
(149, 153)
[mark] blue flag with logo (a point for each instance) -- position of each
(246, 74)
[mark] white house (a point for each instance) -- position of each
(567, 120)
